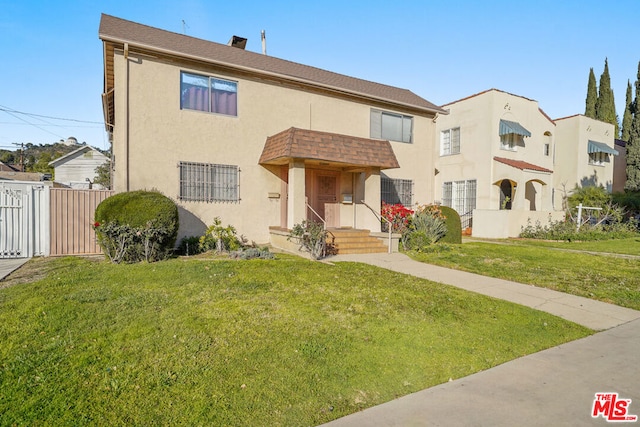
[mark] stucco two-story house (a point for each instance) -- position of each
(584, 153)
(261, 142)
(495, 162)
(504, 163)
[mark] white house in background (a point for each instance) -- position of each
(495, 164)
(78, 168)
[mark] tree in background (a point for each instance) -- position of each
(592, 96)
(605, 105)
(103, 175)
(627, 118)
(633, 145)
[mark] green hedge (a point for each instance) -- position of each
(454, 227)
(136, 226)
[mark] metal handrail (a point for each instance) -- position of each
(380, 217)
(324, 223)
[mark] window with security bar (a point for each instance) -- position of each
(395, 191)
(460, 195)
(207, 182)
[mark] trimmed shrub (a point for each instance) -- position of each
(426, 227)
(454, 227)
(137, 226)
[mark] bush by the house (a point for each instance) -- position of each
(312, 238)
(137, 226)
(189, 246)
(567, 230)
(454, 226)
(220, 239)
(397, 215)
(426, 226)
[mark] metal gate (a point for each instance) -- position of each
(24, 211)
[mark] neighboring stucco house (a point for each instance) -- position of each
(251, 138)
(619, 166)
(584, 154)
(77, 169)
(495, 162)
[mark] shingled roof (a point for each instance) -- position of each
(519, 164)
(295, 143)
(116, 32)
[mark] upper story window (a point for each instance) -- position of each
(450, 141)
(511, 135)
(210, 94)
(547, 150)
(391, 126)
(598, 158)
(510, 141)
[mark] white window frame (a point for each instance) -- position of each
(460, 195)
(391, 126)
(450, 141)
(213, 85)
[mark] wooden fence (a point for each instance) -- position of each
(71, 220)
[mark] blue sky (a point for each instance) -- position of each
(52, 65)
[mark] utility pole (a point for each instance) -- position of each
(21, 145)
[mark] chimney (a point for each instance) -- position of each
(236, 41)
(264, 42)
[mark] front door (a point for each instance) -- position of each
(322, 194)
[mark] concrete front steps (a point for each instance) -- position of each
(353, 241)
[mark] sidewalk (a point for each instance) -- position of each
(553, 387)
(9, 265)
(590, 313)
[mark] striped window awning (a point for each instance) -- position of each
(600, 147)
(507, 127)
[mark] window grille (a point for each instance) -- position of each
(395, 191)
(206, 182)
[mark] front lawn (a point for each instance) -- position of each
(221, 342)
(606, 278)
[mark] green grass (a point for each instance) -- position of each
(220, 342)
(630, 246)
(606, 278)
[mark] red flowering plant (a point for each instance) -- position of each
(397, 215)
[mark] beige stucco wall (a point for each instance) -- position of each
(478, 118)
(572, 158)
(502, 224)
(160, 135)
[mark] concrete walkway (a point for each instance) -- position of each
(590, 313)
(553, 387)
(9, 265)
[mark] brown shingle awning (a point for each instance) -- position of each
(295, 143)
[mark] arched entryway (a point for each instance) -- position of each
(506, 194)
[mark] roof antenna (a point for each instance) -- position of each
(184, 27)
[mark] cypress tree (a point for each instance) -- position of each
(592, 96)
(605, 105)
(627, 118)
(633, 145)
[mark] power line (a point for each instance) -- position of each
(11, 110)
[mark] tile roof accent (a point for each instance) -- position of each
(120, 31)
(329, 147)
(522, 165)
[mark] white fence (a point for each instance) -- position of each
(24, 219)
